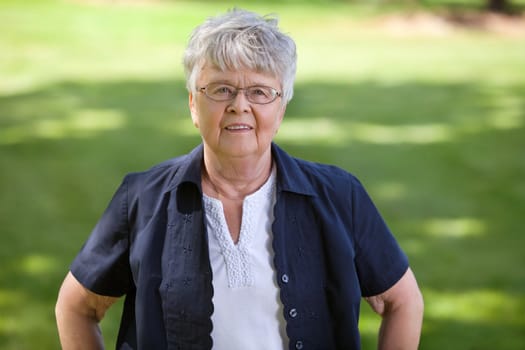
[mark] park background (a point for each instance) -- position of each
(423, 101)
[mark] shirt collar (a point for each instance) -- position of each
(290, 176)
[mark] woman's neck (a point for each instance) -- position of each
(234, 179)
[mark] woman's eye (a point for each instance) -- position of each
(223, 90)
(258, 92)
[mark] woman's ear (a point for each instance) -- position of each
(193, 110)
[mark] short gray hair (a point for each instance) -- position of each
(241, 39)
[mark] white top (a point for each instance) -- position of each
(247, 313)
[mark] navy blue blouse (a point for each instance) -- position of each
(331, 248)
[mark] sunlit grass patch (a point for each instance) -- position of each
(479, 306)
(455, 227)
(84, 123)
(329, 131)
(39, 264)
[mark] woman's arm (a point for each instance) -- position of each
(78, 312)
(401, 308)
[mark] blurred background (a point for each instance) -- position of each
(423, 100)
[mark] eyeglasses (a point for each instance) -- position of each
(255, 94)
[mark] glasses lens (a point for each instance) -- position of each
(220, 92)
(260, 94)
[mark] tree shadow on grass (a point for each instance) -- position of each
(443, 163)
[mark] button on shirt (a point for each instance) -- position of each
(330, 243)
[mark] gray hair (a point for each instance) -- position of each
(242, 39)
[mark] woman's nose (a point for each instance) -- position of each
(240, 103)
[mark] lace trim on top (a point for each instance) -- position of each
(237, 256)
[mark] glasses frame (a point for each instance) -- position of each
(276, 94)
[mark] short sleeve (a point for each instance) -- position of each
(102, 265)
(380, 262)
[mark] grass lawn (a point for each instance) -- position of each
(433, 123)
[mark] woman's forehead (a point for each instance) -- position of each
(211, 73)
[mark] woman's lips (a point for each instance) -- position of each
(237, 127)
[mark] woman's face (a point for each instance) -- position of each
(236, 128)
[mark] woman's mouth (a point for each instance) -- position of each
(238, 127)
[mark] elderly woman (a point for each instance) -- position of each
(237, 245)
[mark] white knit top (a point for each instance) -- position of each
(247, 310)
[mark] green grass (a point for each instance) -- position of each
(433, 125)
